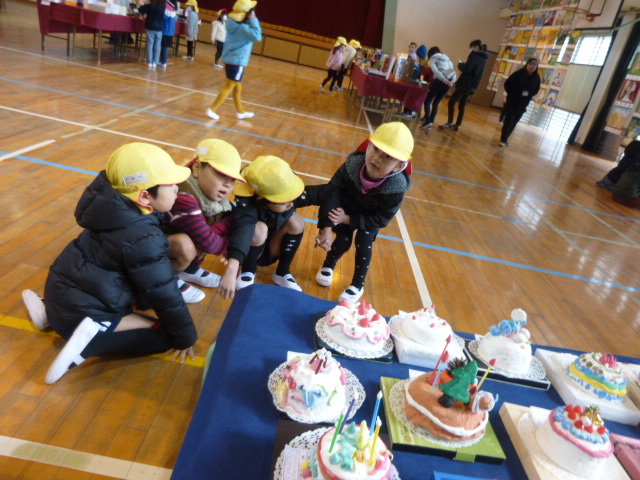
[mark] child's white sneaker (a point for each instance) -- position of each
(202, 277)
(324, 276)
(212, 114)
(351, 294)
(35, 307)
(245, 279)
(244, 115)
(190, 294)
(286, 281)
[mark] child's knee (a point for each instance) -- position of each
(260, 234)
(295, 224)
(182, 247)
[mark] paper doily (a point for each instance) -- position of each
(536, 369)
(309, 441)
(413, 346)
(353, 385)
(397, 403)
(321, 330)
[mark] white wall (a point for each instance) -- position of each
(449, 24)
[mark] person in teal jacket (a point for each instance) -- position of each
(243, 28)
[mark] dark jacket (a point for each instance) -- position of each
(472, 70)
(119, 257)
(154, 13)
(520, 82)
(378, 207)
(249, 210)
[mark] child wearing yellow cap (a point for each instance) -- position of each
(266, 227)
(120, 259)
(372, 184)
(334, 64)
(200, 220)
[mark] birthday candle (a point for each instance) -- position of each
(351, 405)
(435, 381)
(375, 412)
(492, 363)
(372, 459)
(448, 341)
(337, 432)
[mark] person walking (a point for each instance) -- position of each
(219, 35)
(444, 78)
(521, 87)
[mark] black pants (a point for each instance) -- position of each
(341, 75)
(437, 91)
(461, 97)
(342, 243)
(219, 49)
(190, 45)
(333, 76)
(623, 165)
(512, 114)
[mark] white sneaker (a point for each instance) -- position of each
(245, 279)
(187, 57)
(352, 294)
(286, 281)
(244, 115)
(322, 88)
(35, 307)
(324, 276)
(190, 294)
(217, 65)
(69, 356)
(202, 277)
(212, 114)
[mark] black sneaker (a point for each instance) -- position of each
(454, 127)
(446, 126)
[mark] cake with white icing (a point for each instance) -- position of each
(599, 375)
(357, 327)
(509, 344)
(350, 458)
(576, 439)
(313, 387)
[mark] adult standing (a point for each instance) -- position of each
(168, 30)
(468, 83)
(219, 35)
(153, 14)
(521, 87)
(243, 28)
(444, 77)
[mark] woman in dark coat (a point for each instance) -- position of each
(521, 87)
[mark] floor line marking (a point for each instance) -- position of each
(25, 150)
(600, 239)
(82, 461)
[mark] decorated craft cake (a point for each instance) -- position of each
(431, 334)
(313, 387)
(356, 455)
(577, 440)
(449, 404)
(357, 327)
(508, 343)
(599, 375)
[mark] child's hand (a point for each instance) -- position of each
(337, 216)
(227, 287)
(182, 354)
(324, 239)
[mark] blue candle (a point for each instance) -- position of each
(375, 413)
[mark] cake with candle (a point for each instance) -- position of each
(599, 375)
(313, 387)
(357, 327)
(421, 336)
(448, 404)
(353, 454)
(509, 343)
(577, 440)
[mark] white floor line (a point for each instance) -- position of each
(26, 149)
(84, 462)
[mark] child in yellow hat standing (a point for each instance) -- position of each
(348, 57)
(372, 184)
(200, 220)
(243, 28)
(266, 227)
(334, 64)
(120, 259)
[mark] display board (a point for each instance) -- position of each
(624, 117)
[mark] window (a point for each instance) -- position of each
(591, 50)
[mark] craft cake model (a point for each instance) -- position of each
(313, 387)
(508, 342)
(356, 455)
(599, 375)
(357, 327)
(577, 440)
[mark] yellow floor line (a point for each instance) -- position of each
(23, 324)
(85, 462)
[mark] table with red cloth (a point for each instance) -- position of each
(375, 86)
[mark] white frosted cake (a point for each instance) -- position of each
(599, 375)
(313, 387)
(357, 327)
(577, 440)
(508, 343)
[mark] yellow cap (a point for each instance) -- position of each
(394, 139)
(135, 167)
(241, 8)
(355, 43)
(272, 178)
(194, 4)
(222, 156)
(340, 41)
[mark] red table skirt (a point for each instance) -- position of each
(411, 96)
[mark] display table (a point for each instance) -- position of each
(233, 431)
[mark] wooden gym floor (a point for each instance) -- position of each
(483, 231)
